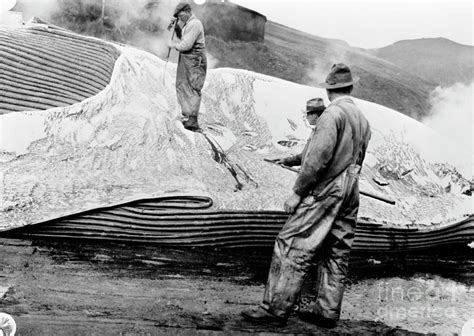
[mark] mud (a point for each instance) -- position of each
(79, 288)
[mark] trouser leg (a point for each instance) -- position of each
(332, 270)
(189, 99)
(190, 79)
(285, 279)
(298, 241)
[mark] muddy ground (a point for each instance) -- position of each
(87, 288)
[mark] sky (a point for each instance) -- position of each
(363, 23)
(372, 24)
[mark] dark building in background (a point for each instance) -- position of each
(229, 21)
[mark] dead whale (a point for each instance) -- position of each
(91, 146)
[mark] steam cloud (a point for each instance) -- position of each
(333, 55)
(41, 8)
(452, 116)
(212, 61)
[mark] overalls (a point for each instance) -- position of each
(190, 77)
(322, 226)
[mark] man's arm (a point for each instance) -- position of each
(290, 161)
(320, 151)
(193, 29)
(294, 160)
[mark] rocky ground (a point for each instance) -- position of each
(78, 288)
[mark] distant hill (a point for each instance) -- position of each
(436, 59)
(304, 58)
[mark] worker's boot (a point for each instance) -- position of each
(261, 316)
(191, 123)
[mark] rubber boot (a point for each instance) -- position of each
(191, 123)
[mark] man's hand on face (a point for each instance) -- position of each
(172, 22)
(291, 203)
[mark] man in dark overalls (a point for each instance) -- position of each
(323, 212)
(192, 64)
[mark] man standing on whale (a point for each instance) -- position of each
(192, 63)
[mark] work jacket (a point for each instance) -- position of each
(191, 36)
(340, 138)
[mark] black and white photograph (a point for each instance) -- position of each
(236, 167)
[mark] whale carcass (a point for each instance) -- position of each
(92, 146)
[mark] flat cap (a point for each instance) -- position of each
(181, 7)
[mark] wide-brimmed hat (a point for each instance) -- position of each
(181, 7)
(339, 76)
(315, 105)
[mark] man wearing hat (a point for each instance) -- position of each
(314, 108)
(192, 63)
(323, 212)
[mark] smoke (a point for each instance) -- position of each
(6, 5)
(153, 43)
(44, 9)
(139, 23)
(212, 61)
(334, 53)
(452, 116)
(152, 39)
(7, 17)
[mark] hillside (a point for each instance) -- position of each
(436, 59)
(303, 58)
